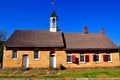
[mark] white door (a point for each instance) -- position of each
(52, 61)
(25, 61)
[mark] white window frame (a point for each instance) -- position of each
(99, 57)
(16, 54)
(110, 56)
(84, 58)
(38, 54)
(71, 58)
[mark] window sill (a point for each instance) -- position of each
(109, 61)
(36, 59)
(69, 62)
(14, 58)
(83, 62)
(97, 61)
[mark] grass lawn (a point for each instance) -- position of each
(81, 73)
(91, 73)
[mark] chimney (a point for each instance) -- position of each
(85, 30)
(103, 31)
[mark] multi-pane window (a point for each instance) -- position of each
(14, 54)
(69, 58)
(107, 57)
(82, 58)
(36, 54)
(96, 57)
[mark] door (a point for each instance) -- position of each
(25, 61)
(52, 61)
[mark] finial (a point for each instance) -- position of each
(53, 4)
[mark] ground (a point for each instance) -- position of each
(54, 73)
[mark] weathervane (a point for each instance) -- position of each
(53, 4)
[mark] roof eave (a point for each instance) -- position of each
(91, 48)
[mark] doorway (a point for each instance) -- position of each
(25, 61)
(52, 60)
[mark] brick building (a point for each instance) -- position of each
(50, 48)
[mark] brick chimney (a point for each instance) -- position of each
(102, 31)
(85, 30)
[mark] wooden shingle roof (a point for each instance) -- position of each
(88, 41)
(68, 41)
(35, 38)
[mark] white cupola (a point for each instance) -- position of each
(53, 22)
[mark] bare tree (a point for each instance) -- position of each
(3, 35)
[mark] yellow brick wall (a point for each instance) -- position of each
(61, 58)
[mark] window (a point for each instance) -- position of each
(107, 57)
(36, 55)
(71, 58)
(54, 22)
(84, 58)
(96, 57)
(14, 54)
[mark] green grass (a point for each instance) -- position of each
(106, 73)
(81, 73)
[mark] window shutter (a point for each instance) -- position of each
(86, 58)
(73, 59)
(105, 58)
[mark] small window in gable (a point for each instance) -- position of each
(36, 54)
(14, 54)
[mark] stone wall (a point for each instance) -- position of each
(61, 58)
(42, 62)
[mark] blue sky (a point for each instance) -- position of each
(73, 16)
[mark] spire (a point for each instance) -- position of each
(53, 19)
(53, 6)
(54, 14)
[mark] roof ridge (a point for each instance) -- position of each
(79, 33)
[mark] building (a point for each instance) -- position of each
(51, 48)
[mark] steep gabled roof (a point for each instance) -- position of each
(69, 41)
(88, 41)
(35, 38)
